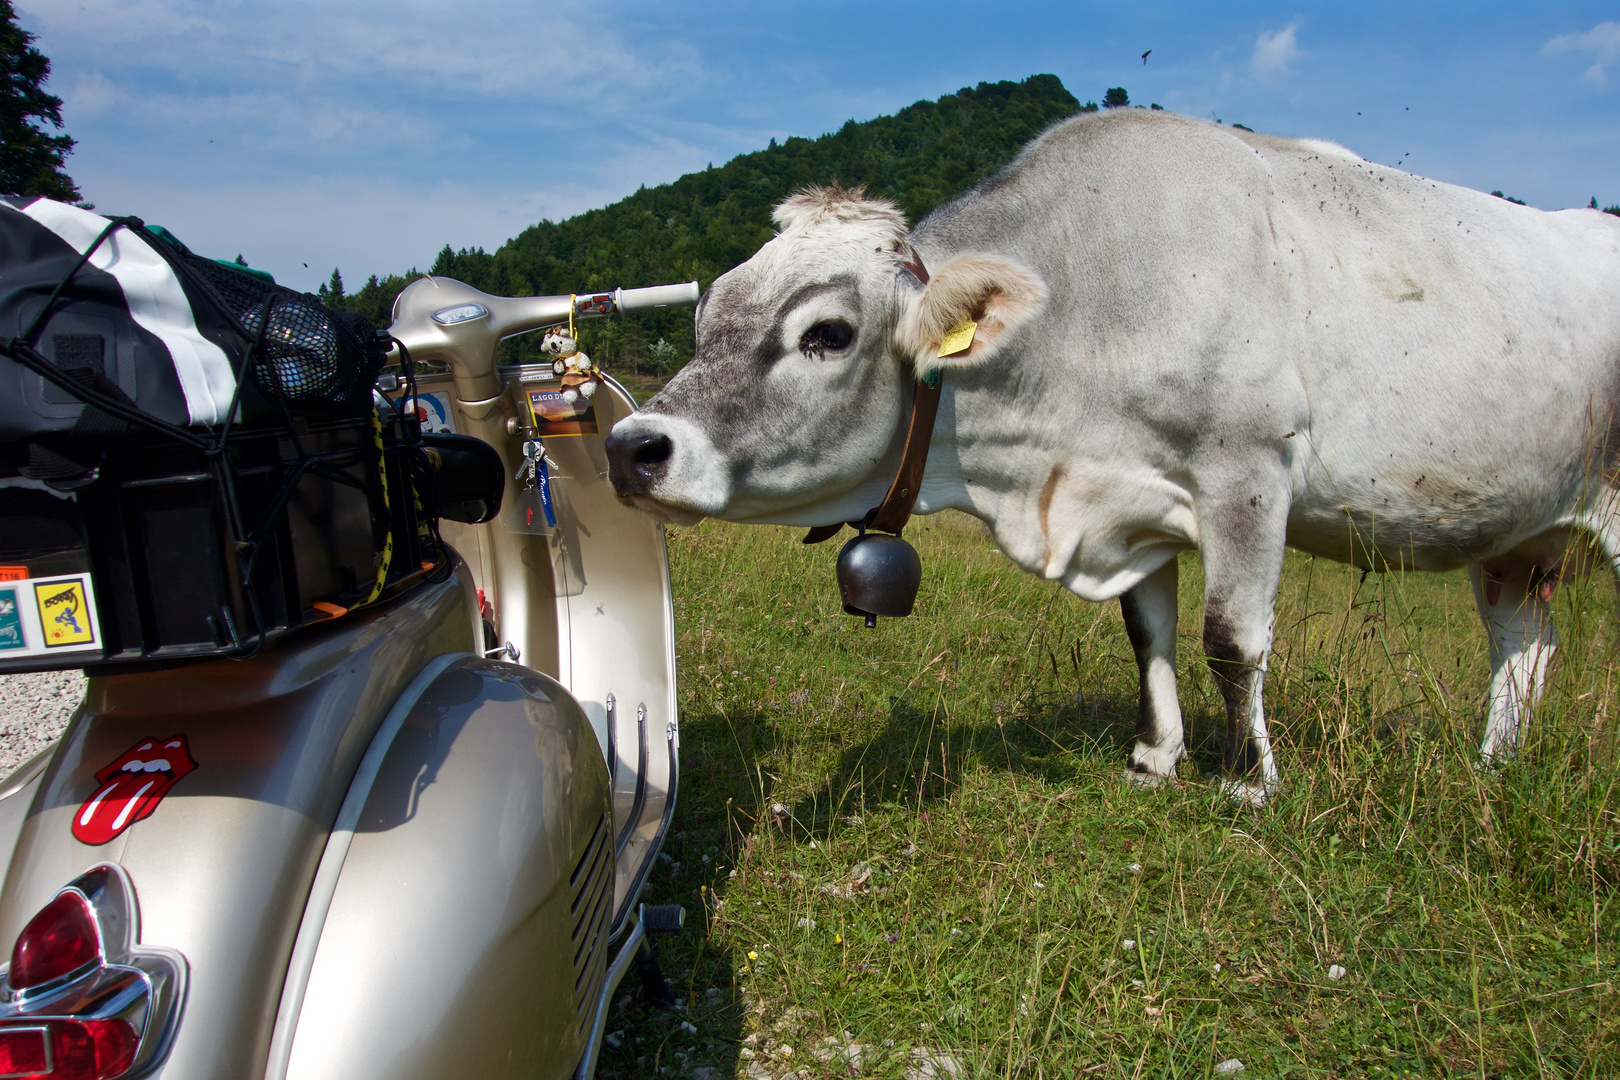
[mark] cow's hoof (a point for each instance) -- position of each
(1148, 781)
(1249, 793)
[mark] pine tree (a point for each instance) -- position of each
(333, 290)
(1116, 98)
(30, 160)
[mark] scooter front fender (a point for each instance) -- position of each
(458, 922)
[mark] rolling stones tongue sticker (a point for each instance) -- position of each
(131, 787)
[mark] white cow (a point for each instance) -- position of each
(1188, 337)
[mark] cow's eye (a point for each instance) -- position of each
(832, 334)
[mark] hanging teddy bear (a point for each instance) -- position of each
(579, 374)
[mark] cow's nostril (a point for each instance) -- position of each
(651, 450)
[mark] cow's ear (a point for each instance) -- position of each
(994, 293)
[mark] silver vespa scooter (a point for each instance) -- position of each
(407, 842)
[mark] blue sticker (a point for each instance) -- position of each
(11, 630)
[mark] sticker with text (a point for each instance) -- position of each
(47, 616)
(64, 613)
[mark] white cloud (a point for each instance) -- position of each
(91, 94)
(1274, 50)
(1603, 41)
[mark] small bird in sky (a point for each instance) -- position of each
(1145, 56)
(306, 266)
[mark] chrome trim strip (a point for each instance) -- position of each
(610, 986)
(325, 884)
(633, 819)
(672, 732)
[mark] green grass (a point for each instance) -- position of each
(966, 763)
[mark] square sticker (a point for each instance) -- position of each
(11, 625)
(554, 414)
(64, 613)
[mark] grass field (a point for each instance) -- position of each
(909, 851)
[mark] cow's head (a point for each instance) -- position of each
(805, 356)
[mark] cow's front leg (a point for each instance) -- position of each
(1514, 606)
(1243, 548)
(1150, 621)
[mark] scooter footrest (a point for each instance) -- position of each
(663, 918)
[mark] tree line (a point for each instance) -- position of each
(703, 224)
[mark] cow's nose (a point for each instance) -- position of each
(637, 461)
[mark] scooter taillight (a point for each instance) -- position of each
(59, 1049)
(57, 942)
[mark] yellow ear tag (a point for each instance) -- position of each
(958, 338)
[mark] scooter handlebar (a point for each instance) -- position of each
(443, 319)
(630, 301)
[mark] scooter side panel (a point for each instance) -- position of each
(222, 865)
(16, 796)
(467, 934)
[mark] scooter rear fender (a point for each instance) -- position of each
(222, 866)
(458, 924)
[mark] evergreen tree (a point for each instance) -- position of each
(1116, 98)
(30, 159)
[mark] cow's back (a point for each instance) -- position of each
(1444, 359)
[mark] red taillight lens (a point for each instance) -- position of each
(79, 1049)
(58, 941)
(22, 1051)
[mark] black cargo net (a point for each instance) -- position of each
(311, 356)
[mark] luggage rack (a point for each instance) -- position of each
(146, 553)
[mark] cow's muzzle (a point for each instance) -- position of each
(638, 462)
(668, 461)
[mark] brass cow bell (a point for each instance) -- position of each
(878, 575)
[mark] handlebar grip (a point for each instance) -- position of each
(629, 301)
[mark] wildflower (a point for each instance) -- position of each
(1335, 972)
(1128, 943)
(1229, 1066)
(752, 955)
(925, 817)
(891, 938)
(838, 939)
(1135, 868)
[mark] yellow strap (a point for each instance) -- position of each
(388, 542)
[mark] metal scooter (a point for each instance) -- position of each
(406, 842)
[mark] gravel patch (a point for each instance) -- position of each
(34, 709)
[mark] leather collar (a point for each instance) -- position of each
(894, 511)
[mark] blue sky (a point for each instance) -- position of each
(366, 135)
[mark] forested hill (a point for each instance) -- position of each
(701, 225)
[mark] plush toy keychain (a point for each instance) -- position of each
(579, 373)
